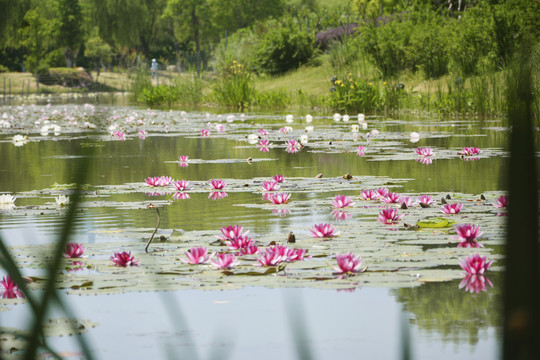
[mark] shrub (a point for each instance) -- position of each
(355, 94)
(235, 87)
(284, 47)
(72, 77)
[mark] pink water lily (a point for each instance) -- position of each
(142, 134)
(340, 215)
(119, 135)
(217, 195)
(262, 132)
(158, 181)
(391, 198)
(451, 208)
(183, 161)
(270, 258)
(389, 216)
(360, 150)
(197, 255)
(475, 283)
(425, 160)
(181, 185)
(10, 289)
(231, 232)
(502, 202)
(181, 196)
(225, 261)
(342, 201)
(468, 233)
(280, 198)
(248, 250)
(124, 259)
(217, 184)
(348, 264)
(270, 185)
(424, 151)
(74, 250)
(407, 200)
(369, 194)
(293, 146)
(239, 242)
(475, 264)
(264, 145)
(278, 178)
(324, 231)
(425, 199)
(205, 133)
(470, 151)
(382, 191)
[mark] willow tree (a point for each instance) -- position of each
(70, 32)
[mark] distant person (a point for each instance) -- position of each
(153, 69)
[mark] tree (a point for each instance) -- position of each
(98, 50)
(70, 32)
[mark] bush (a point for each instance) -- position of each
(354, 94)
(3, 69)
(235, 87)
(284, 47)
(68, 77)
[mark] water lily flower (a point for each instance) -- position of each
(407, 200)
(374, 132)
(391, 198)
(19, 140)
(231, 232)
(324, 231)
(364, 126)
(142, 134)
(424, 151)
(239, 242)
(124, 259)
(340, 215)
(217, 184)
(425, 199)
(355, 128)
(360, 150)
(264, 145)
(382, 191)
(293, 146)
(62, 200)
(361, 118)
(451, 208)
(475, 283)
(348, 264)
(278, 178)
(253, 138)
(304, 139)
(285, 129)
(181, 196)
(197, 255)
(262, 132)
(119, 135)
(205, 133)
(230, 118)
(225, 261)
(309, 118)
(470, 151)
(345, 118)
(425, 160)
(369, 194)
(10, 289)
(309, 129)
(281, 212)
(7, 202)
(502, 202)
(217, 195)
(341, 201)
(183, 160)
(337, 117)
(270, 258)
(280, 198)
(475, 264)
(389, 216)
(468, 234)
(220, 128)
(248, 250)
(270, 186)
(414, 137)
(181, 185)
(289, 118)
(74, 250)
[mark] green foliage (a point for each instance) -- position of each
(3, 69)
(284, 46)
(235, 87)
(36, 36)
(277, 99)
(69, 77)
(355, 94)
(141, 82)
(70, 32)
(237, 47)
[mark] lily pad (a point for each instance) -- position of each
(435, 222)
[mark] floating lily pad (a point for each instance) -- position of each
(435, 222)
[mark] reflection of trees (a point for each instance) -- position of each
(456, 315)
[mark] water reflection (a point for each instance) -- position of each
(217, 195)
(340, 215)
(475, 283)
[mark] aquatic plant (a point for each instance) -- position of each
(348, 264)
(293, 146)
(475, 264)
(468, 234)
(217, 184)
(10, 289)
(270, 258)
(142, 134)
(231, 232)
(451, 208)
(342, 201)
(425, 199)
(502, 202)
(119, 135)
(391, 198)
(340, 215)
(389, 216)
(382, 191)
(360, 150)
(264, 145)
(205, 133)
(425, 160)
(7, 202)
(424, 151)
(414, 137)
(217, 195)
(239, 242)
(369, 194)
(470, 151)
(248, 250)
(278, 178)
(309, 118)
(124, 259)
(225, 261)
(270, 186)
(406, 200)
(19, 140)
(158, 181)
(475, 283)
(183, 161)
(289, 118)
(62, 200)
(279, 198)
(324, 231)
(197, 255)
(74, 250)
(181, 196)
(181, 185)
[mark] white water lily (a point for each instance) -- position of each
(361, 118)
(19, 140)
(56, 129)
(7, 202)
(415, 137)
(364, 126)
(253, 138)
(289, 118)
(44, 130)
(337, 117)
(230, 118)
(355, 128)
(62, 200)
(309, 128)
(304, 139)
(309, 118)
(4, 124)
(345, 118)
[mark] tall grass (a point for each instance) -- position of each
(184, 89)
(235, 87)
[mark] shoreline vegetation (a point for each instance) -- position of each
(352, 56)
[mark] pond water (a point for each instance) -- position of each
(163, 307)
